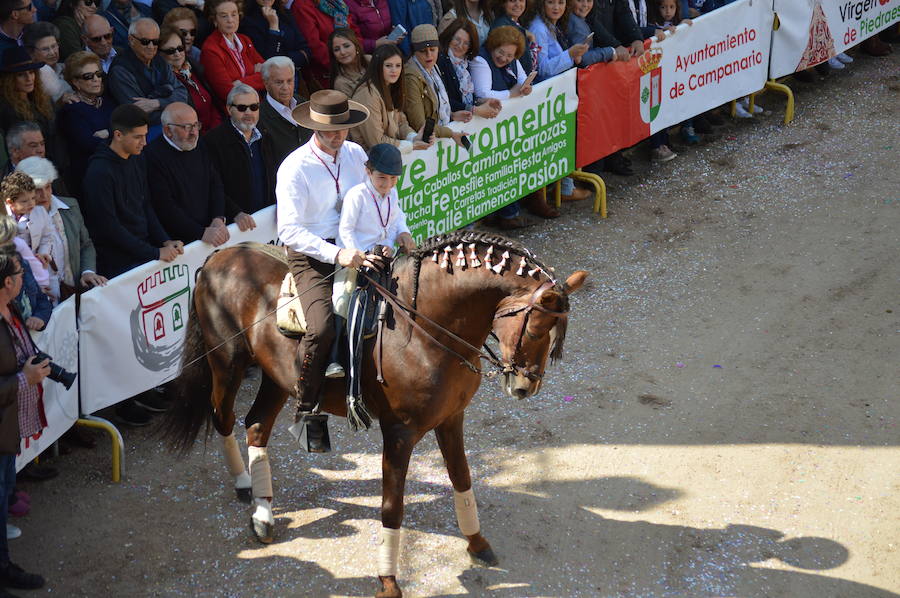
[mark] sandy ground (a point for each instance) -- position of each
(731, 427)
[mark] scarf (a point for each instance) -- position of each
(639, 12)
(436, 84)
(337, 10)
(466, 86)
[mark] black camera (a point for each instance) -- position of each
(57, 372)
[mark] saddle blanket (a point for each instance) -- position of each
(289, 315)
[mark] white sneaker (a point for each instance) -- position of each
(757, 109)
(741, 112)
(12, 532)
(662, 154)
(845, 58)
(835, 64)
(334, 370)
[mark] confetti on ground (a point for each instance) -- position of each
(717, 366)
(568, 398)
(679, 365)
(848, 175)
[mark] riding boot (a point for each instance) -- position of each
(310, 427)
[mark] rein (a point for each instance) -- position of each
(503, 367)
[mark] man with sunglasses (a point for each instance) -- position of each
(97, 36)
(185, 188)
(140, 76)
(244, 157)
(14, 16)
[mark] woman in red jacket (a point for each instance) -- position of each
(374, 20)
(227, 56)
(316, 20)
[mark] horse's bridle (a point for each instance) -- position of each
(504, 367)
(533, 304)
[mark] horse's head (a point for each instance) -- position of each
(531, 326)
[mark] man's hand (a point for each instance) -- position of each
(146, 104)
(244, 221)
(636, 48)
(167, 253)
(43, 258)
(660, 34)
(215, 235)
(463, 116)
(33, 323)
(91, 279)
(622, 53)
(406, 242)
(350, 258)
(34, 371)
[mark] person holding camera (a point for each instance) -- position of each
(21, 414)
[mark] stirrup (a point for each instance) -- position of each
(311, 431)
(334, 370)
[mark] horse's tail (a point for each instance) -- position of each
(190, 392)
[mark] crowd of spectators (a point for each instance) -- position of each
(132, 127)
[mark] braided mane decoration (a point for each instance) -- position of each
(436, 243)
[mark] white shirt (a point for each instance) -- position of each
(369, 218)
(286, 112)
(105, 63)
(307, 202)
(482, 79)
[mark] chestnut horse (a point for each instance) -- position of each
(461, 286)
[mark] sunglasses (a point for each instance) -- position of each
(147, 42)
(245, 107)
(191, 32)
(106, 37)
(90, 76)
(171, 51)
(91, 2)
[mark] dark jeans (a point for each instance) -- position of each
(314, 290)
(659, 139)
(7, 485)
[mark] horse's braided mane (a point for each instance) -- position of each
(466, 237)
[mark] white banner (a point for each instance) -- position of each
(60, 341)
(723, 55)
(530, 144)
(812, 31)
(132, 330)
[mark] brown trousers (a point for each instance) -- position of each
(314, 290)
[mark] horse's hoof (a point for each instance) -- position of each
(245, 495)
(264, 532)
(389, 588)
(484, 557)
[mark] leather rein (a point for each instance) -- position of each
(503, 367)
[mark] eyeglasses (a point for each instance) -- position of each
(172, 50)
(48, 49)
(106, 37)
(191, 32)
(90, 76)
(190, 127)
(27, 7)
(245, 107)
(147, 42)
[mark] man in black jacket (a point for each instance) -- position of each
(275, 120)
(118, 212)
(185, 187)
(244, 157)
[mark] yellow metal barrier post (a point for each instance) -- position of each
(780, 87)
(599, 190)
(118, 447)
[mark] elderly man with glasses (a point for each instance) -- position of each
(185, 187)
(97, 36)
(244, 157)
(141, 77)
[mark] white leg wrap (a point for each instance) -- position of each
(263, 511)
(232, 453)
(388, 552)
(466, 512)
(260, 474)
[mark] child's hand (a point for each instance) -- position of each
(672, 29)
(688, 21)
(387, 251)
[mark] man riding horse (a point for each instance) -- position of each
(311, 185)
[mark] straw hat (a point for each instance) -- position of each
(330, 110)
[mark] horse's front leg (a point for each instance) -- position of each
(450, 439)
(398, 446)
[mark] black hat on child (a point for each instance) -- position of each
(385, 158)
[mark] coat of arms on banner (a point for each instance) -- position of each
(651, 83)
(158, 322)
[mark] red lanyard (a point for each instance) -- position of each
(384, 221)
(336, 177)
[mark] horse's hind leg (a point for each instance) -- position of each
(226, 382)
(450, 440)
(269, 401)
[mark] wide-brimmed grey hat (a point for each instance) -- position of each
(330, 110)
